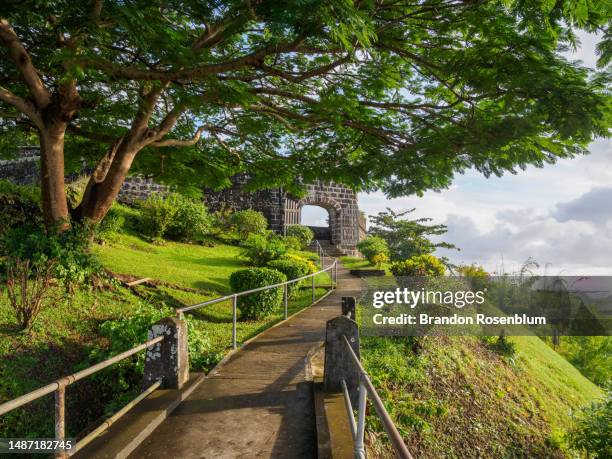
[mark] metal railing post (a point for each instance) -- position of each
(234, 318)
(361, 412)
(313, 288)
(286, 295)
(60, 417)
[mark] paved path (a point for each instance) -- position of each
(259, 404)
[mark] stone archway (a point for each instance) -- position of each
(341, 204)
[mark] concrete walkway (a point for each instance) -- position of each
(259, 403)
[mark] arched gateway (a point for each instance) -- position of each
(346, 224)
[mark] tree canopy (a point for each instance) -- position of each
(377, 94)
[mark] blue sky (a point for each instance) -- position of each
(560, 215)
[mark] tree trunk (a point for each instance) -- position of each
(105, 183)
(55, 205)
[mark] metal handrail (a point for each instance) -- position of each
(358, 429)
(59, 387)
(320, 250)
(234, 296)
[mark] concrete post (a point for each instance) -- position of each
(348, 307)
(167, 360)
(338, 363)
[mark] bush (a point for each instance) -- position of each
(312, 267)
(174, 216)
(259, 304)
(292, 269)
(69, 250)
(112, 224)
(29, 290)
(19, 206)
(302, 233)
(158, 213)
(191, 222)
(261, 249)
(380, 259)
(593, 428)
(292, 242)
(422, 265)
(476, 275)
(246, 222)
(372, 246)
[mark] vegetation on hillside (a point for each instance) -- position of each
(90, 316)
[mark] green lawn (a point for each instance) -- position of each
(188, 265)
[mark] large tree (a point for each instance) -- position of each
(380, 94)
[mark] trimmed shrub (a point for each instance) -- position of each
(312, 267)
(261, 249)
(292, 269)
(259, 304)
(422, 265)
(249, 221)
(372, 246)
(302, 233)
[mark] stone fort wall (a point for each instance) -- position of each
(346, 224)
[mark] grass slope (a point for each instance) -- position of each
(453, 397)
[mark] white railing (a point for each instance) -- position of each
(358, 427)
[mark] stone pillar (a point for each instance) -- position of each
(349, 307)
(167, 360)
(338, 363)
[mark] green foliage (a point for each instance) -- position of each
(400, 96)
(422, 265)
(592, 432)
(476, 275)
(74, 264)
(292, 269)
(372, 246)
(19, 205)
(259, 304)
(174, 216)
(407, 238)
(113, 223)
(380, 259)
(261, 249)
(302, 257)
(191, 222)
(158, 213)
(292, 243)
(247, 222)
(303, 233)
(592, 355)
(500, 345)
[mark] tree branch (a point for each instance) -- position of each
(22, 61)
(180, 143)
(22, 105)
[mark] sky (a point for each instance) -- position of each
(560, 215)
